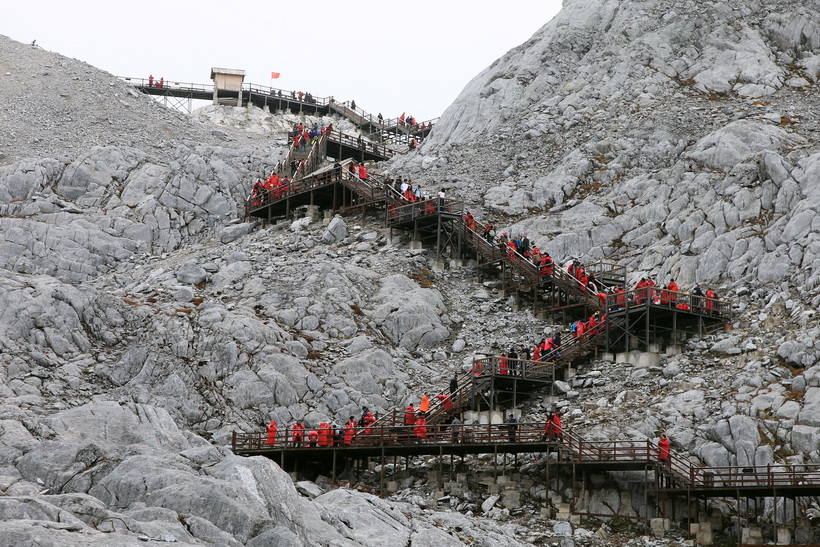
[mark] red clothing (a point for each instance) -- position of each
(556, 424)
(663, 450)
(591, 326)
(620, 297)
(424, 405)
(362, 172)
(325, 434)
(298, 433)
(640, 292)
(421, 428)
(409, 415)
(477, 366)
(368, 422)
(711, 305)
(580, 329)
(350, 430)
(546, 266)
(673, 290)
(271, 429)
(502, 367)
(446, 403)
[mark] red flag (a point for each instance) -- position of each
(274, 75)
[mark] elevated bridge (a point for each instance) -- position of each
(376, 129)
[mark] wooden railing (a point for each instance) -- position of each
(769, 476)
(362, 144)
(404, 212)
(685, 473)
(608, 273)
(397, 435)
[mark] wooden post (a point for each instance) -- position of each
(381, 477)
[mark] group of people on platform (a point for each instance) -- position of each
(272, 188)
(520, 247)
(647, 292)
(517, 248)
(155, 83)
(593, 326)
(326, 434)
(516, 361)
(357, 169)
(409, 195)
(301, 137)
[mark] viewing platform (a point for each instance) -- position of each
(379, 130)
(676, 476)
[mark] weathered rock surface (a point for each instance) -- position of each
(143, 320)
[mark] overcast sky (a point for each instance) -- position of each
(390, 56)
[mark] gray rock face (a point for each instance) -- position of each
(410, 315)
(336, 231)
(142, 316)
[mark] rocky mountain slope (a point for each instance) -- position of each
(143, 321)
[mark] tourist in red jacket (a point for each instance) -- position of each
(421, 428)
(271, 429)
(663, 451)
(298, 433)
(410, 415)
(350, 431)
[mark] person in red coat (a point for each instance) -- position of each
(368, 422)
(711, 305)
(502, 365)
(446, 402)
(410, 415)
(640, 293)
(673, 289)
(421, 428)
(298, 433)
(325, 434)
(620, 296)
(580, 329)
(271, 429)
(557, 431)
(350, 431)
(663, 451)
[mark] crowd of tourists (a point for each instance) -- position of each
(520, 248)
(404, 194)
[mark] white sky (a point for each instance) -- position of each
(390, 56)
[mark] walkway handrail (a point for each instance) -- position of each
(604, 271)
(361, 143)
(517, 368)
(316, 157)
(687, 474)
(409, 211)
